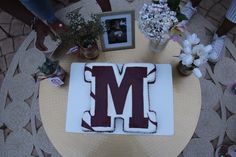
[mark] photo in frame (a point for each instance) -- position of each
(120, 30)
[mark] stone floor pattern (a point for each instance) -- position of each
(23, 134)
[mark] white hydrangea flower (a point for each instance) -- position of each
(197, 62)
(197, 72)
(155, 20)
(202, 51)
(187, 60)
(187, 50)
(163, 1)
(186, 43)
(203, 59)
(208, 48)
(193, 39)
(195, 54)
(198, 49)
(213, 55)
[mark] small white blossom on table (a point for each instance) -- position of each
(194, 54)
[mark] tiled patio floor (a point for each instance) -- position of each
(9, 44)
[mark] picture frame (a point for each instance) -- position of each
(119, 30)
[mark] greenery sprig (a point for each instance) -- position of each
(49, 67)
(81, 30)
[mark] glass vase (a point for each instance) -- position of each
(157, 46)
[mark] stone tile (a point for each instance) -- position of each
(214, 22)
(225, 3)
(4, 73)
(217, 1)
(182, 3)
(202, 11)
(18, 41)
(9, 58)
(16, 27)
(233, 31)
(234, 41)
(16, 21)
(27, 30)
(6, 27)
(206, 4)
(5, 17)
(6, 46)
(2, 35)
(1, 79)
(218, 12)
(230, 36)
(3, 65)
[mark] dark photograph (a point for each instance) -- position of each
(116, 30)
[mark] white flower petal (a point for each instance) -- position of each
(193, 39)
(203, 59)
(187, 60)
(187, 50)
(213, 55)
(207, 48)
(198, 49)
(163, 1)
(186, 43)
(197, 72)
(182, 55)
(203, 54)
(197, 62)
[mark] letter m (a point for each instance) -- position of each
(120, 92)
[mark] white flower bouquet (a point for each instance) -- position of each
(156, 19)
(194, 54)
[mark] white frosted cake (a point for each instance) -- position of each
(119, 92)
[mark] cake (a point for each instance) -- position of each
(119, 92)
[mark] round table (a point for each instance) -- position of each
(187, 104)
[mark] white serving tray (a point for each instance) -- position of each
(161, 101)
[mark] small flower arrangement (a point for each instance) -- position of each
(158, 18)
(194, 54)
(83, 34)
(52, 71)
(48, 67)
(80, 30)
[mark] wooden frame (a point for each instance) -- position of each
(120, 30)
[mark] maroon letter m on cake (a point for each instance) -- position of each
(120, 93)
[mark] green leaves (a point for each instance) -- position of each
(81, 29)
(155, 1)
(48, 67)
(173, 4)
(181, 17)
